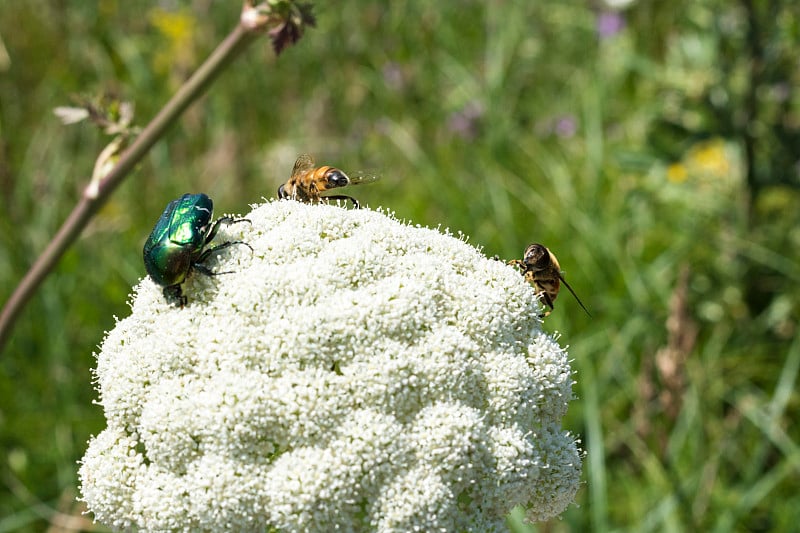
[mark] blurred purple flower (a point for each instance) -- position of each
(562, 126)
(393, 76)
(780, 92)
(565, 127)
(609, 23)
(466, 121)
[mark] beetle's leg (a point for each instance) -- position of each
(356, 205)
(198, 264)
(207, 271)
(223, 220)
(174, 292)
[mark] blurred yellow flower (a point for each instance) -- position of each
(710, 158)
(706, 176)
(178, 28)
(707, 162)
(676, 173)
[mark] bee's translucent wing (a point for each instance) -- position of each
(362, 176)
(304, 163)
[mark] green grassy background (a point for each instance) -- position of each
(669, 145)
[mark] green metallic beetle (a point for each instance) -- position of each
(178, 242)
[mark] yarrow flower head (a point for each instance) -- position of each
(353, 373)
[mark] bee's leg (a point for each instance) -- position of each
(530, 277)
(545, 298)
(343, 197)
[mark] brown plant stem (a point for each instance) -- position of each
(95, 195)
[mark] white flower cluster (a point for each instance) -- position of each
(353, 373)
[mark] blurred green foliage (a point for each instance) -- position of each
(636, 144)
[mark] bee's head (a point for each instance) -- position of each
(335, 178)
(536, 257)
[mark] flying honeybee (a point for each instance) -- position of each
(308, 182)
(541, 269)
